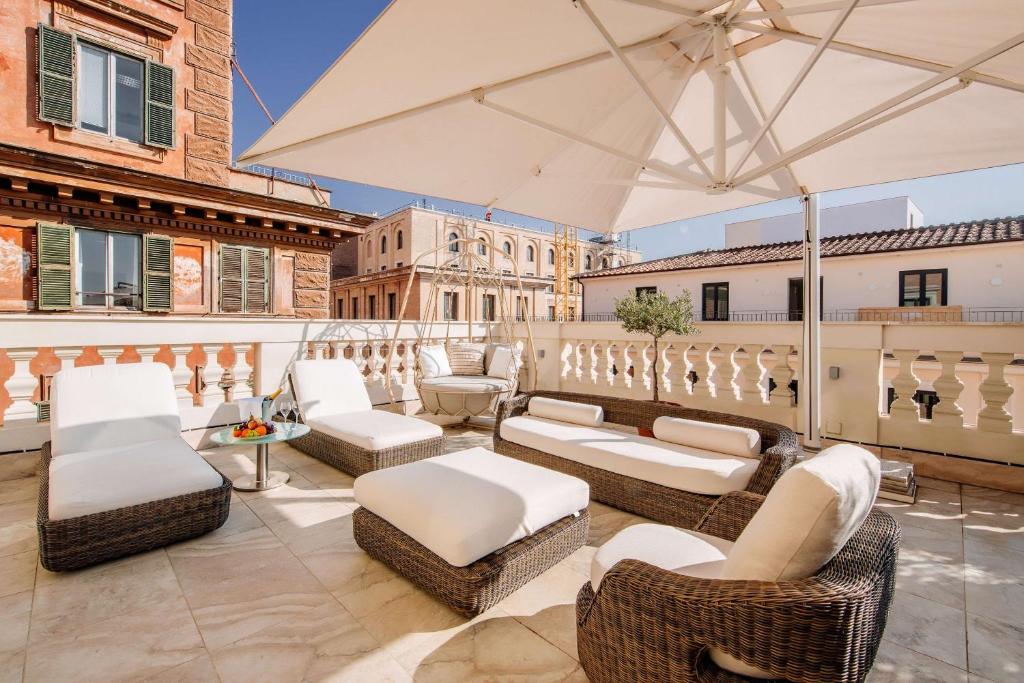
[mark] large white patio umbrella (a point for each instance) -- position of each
(619, 114)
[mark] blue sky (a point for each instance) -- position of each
(284, 46)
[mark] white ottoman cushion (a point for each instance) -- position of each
(683, 552)
(711, 436)
(374, 430)
(465, 505)
(103, 406)
(328, 387)
(111, 478)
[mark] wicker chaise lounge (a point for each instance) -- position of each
(346, 432)
(116, 478)
(680, 614)
(778, 449)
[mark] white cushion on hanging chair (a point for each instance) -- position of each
(463, 395)
(504, 361)
(434, 361)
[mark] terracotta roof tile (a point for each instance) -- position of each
(929, 237)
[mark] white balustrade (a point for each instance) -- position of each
(110, 354)
(750, 373)
(698, 358)
(948, 387)
(602, 367)
(212, 373)
(21, 386)
(676, 371)
(182, 374)
(905, 384)
(722, 378)
(996, 391)
(781, 374)
(242, 373)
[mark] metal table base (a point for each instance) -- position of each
(265, 478)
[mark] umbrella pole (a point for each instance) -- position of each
(810, 375)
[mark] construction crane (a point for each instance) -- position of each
(567, 267)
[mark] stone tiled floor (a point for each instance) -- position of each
(282, 593)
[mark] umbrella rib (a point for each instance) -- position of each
(653, 165)
(639, 82)
(812, 59)
(810, 9)
(880, 55)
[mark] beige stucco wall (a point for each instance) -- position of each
(979, 276)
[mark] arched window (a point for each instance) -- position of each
(588, 262)
(507, 248)
(384, 244)
(398, 240)
(529, 253)
(481, 248)
(604, 263)
(453, 243)
(551, 257)
(369, 247)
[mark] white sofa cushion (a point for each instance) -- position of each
(103, 406)
(465, 505)
(678, 467)
(710, 436)
(434, 361)
(504, 361)
(111, 478)
(807, 517)
(566, 411)
(328, 387)
(374, 430)
(683, 552)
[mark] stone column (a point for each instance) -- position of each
(750, 374)
(905, 383)
(948, 387)
(996, 391)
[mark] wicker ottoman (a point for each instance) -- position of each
(470, 527)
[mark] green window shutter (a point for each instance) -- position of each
(56, 64)
(257, 268)
(157, 267)
(159, 105)
(231, 279)
(54, 253)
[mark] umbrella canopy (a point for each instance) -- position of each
(619, 114)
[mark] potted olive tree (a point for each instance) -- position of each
(655, 315)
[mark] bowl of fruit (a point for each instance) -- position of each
(253, 428)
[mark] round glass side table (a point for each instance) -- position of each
(264, 478)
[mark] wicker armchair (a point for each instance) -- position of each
(649, 624)
(779, 449)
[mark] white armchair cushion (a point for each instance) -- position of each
(328, 387)
(465, 505)
(434, 362)
(467, 358)
(710, 436)
(374, 430)
(504, 362)
(566, 411)
(110, 478)
(104, 406)
(683, 552)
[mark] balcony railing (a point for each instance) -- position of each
(932, 314)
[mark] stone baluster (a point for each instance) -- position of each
(781, 374)
(567, 374)
(321, 350)
(587, 365)
(410, 362)
(643, 376)
(948, 387)
(242, 373)
(21, 386)
(626, 367)
(905, 384)
(109, 354)
(724, 373)
(750, 374)
(68, 354)
(212, 372)
(698, 357)
(614, 371)
(995, 391)
(676, 371)
(182, 374)
(146, 353)
(602, 367)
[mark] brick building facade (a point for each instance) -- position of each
(116, 186)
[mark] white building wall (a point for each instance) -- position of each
(884, 214)
(981, 276)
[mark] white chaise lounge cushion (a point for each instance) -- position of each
(434, 361)
(566, 411)
(110, 478)
(710, 436)
(659, 462)
(328, 387)
(807, 517)
(465, 505)
(374, 430)
(683, 552)
(103, 406)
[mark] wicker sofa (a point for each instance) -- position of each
(116, 478)
(809, 602)
(346, 432)
(668, 504)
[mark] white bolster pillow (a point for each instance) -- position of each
(709, 436)
(566, 411)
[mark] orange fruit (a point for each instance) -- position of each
(261, 430)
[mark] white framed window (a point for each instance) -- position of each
(110, 92)
(108, 269)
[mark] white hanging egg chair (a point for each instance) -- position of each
(468, 266)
